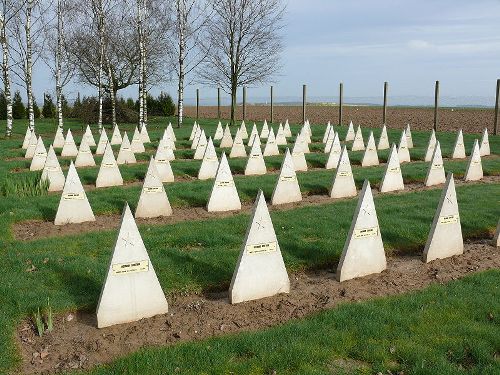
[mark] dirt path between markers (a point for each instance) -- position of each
(36, 229)
(76, 343)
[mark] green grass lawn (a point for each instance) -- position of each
(200, 255)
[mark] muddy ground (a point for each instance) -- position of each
(470, 120)
(76, 343)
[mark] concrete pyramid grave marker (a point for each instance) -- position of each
(238, 150)
(327, 131)
(136, 144)
(496, 237)
(370, 157)
(459, 148)
(358, 144)
(210, 162)
(409, 139)
(162, 159)
(403, 151)
(69, 148)
(287, 189)
(153, 201)
(52, 171)
(84, 157)
(445, 237)
(59, 138)
(131, 290)
(334, 155)
(166, 149)
(193, 131)
(474, 170)
(363, 252)
(109, 173)
(383, 141)
(196, 138)
(243, 130)
(264, 133)
(271, 147)
(125, 155)
(201, 146)
(89, 137)
(116, 138)
(144, 134)
(329, 140)
(170, 132)
(30, 151)
(39, 157)
(27, 138)
(435, 173)
(224, 196)
(227, 139)
(298, 156)
(430, 146)
(219, 132)
(260, 271)
(343, 182)
(287, 130)
(350, 133)
(304, 132)
(74, 206)
(484, 149)
(103, 142)
(255, 162)
(302, 139)
(253, 133)
(169, 141)
(280, 136)
(393, 179)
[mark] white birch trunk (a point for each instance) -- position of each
(29, 65)
(6, 74)
(112, 93)
(141, 62)
(181, 15)
(58, 66)
(101, 61)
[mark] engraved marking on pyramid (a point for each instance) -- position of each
(264, 133)
(287, 130)
(162, 157)
(393, 178)
(287, 189)
(58, 138)
(144, 134)
(219, 132)
(136, 144)
(363, 252)
(484, 148)
(358, 144)
(383, 141)
(89, 136)
(459, 148)
(109, 173)
(39, 156)
(153, 201)
(74, 206)
(298, 156)
(200, 147)
(370, 156)
(260, 270)
(27, 138)
(255, 162)
(227, 139)
(350, 133)
(224, 196)
(435, 172)
(116, 138)
(103, 141)
(334, 154)
(84, 157)
(445, 237)
(409, 139)
(238, 149)
(430, 146)
(343, 181)
(210, 162)
(474, 170)
(125, 155)
(52, 171)
(403, 151)
(69, 148)
(131, 290)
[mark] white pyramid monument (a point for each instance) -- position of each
(343, 185)
(350, 133)
(84, 157)
(327, 131)
(224, 196)
(383, 141)
(131, 290)
(302, 139)
(255, 162)
(370, 156)
(116, 138)
(89, 137)
(125, 155)
(27, 138)
(392, 179)
(264, 133)
(430, 146)
(74, 206)
(196, 138)
(409, 139)
(280, 136)
(153, 201)
(167, 149)
(52, 171)
(39, 156)
(485, 143)
(304, 132)
(136, 144)
(210, 162)
(403, 151)
(69, 148)
(109, 173)
(103, 141)
(162, 159)
(334, 154)
(363, 252)
(58, 139)
(287, 189)
(200, 147)
(459, 148)
(168, 139)
(144, 134)
(243, 130)
(30, 150)
(170, 131)
(287, 130)
(474, 170)
(255, 138)
(271, 148)
(253, 134)
(260, 271)
(358, 144)
(298, 156)
(329, 140)
(435, 173)
(193, 131)
(219, 132)
(238, 149)
(445, 237)
(227, 139)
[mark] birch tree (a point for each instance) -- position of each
(243, 44)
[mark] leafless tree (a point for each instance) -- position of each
(244, 44)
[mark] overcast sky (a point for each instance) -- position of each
(410, 43)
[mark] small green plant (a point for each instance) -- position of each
(39, 323)
(50, 322)
(30, 185)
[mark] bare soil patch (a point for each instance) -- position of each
(76, 343)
